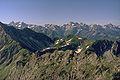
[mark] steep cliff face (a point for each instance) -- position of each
(116, 48)
(8, 47)
(101, 46)
(3, 36)
(28, 38)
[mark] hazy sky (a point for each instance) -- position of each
(60, 11)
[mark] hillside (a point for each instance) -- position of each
(27, 55)
(18, 42)
(82, 63)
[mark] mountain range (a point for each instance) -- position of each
(74, 51)
(93, 31)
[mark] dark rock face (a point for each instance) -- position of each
(27, 38)
(116, 76)
(101, 46)
(116, 48)
(68, 47)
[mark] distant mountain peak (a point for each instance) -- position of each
(92, 31)
(21, 25)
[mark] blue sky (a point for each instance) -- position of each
(60, 11)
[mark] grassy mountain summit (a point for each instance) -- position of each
(67, 58)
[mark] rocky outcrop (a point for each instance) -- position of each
(101, 46)
(116, 48)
